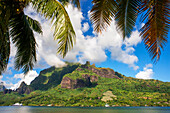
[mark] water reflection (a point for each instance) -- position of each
(25, 109)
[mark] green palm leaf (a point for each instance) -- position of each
(4, 36)
(35, 25)
(126, 16)
(64, 32)
(4, 50)
(23, 38)
(155, 32)
(102, 13)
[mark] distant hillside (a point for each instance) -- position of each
(87, 85)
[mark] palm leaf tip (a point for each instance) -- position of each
(23, 38)
(126, 16)
(155, 31)
(102, 13)
(63, 32)
(34, 24)
(4, 50)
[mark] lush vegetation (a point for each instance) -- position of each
(125, 91)
(125, 96)
(52, 76)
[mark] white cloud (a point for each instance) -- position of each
(112, 41)
(134, 39)
(9, 67)
(93, 48)
(147, 72)
(148, 66)
(124, 57)
(1, 77)
(85, 27)
(7, 85)
(28, 78)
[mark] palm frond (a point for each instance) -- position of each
(64, 2)
(64, 32)
(155, 31)
(126, 16)
(4, 50)
(23, 38)
(35, 25)
(102, 13)
(4, 36)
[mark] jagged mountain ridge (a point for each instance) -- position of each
(76, 75)
(24, 89)
(85, 76)
(85, 85)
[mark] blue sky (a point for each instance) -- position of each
(128, 57)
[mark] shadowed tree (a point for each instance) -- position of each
(17, 27)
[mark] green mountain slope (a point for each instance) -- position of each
(52, 76)
(87, 85)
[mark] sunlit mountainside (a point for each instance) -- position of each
(87, 85)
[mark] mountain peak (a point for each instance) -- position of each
(86, 76)
(24, 88)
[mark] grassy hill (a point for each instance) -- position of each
(90, 86)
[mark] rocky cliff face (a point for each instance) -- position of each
(103, 72)
(85, 81)
(24, 89)
(88, 80)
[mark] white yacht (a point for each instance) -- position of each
(17, 104)
(107, 105)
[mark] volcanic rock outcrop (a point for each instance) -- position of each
(87, 80)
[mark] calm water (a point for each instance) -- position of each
(25, 109)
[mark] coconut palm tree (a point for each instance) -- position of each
(18, 28)
(155, 14)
